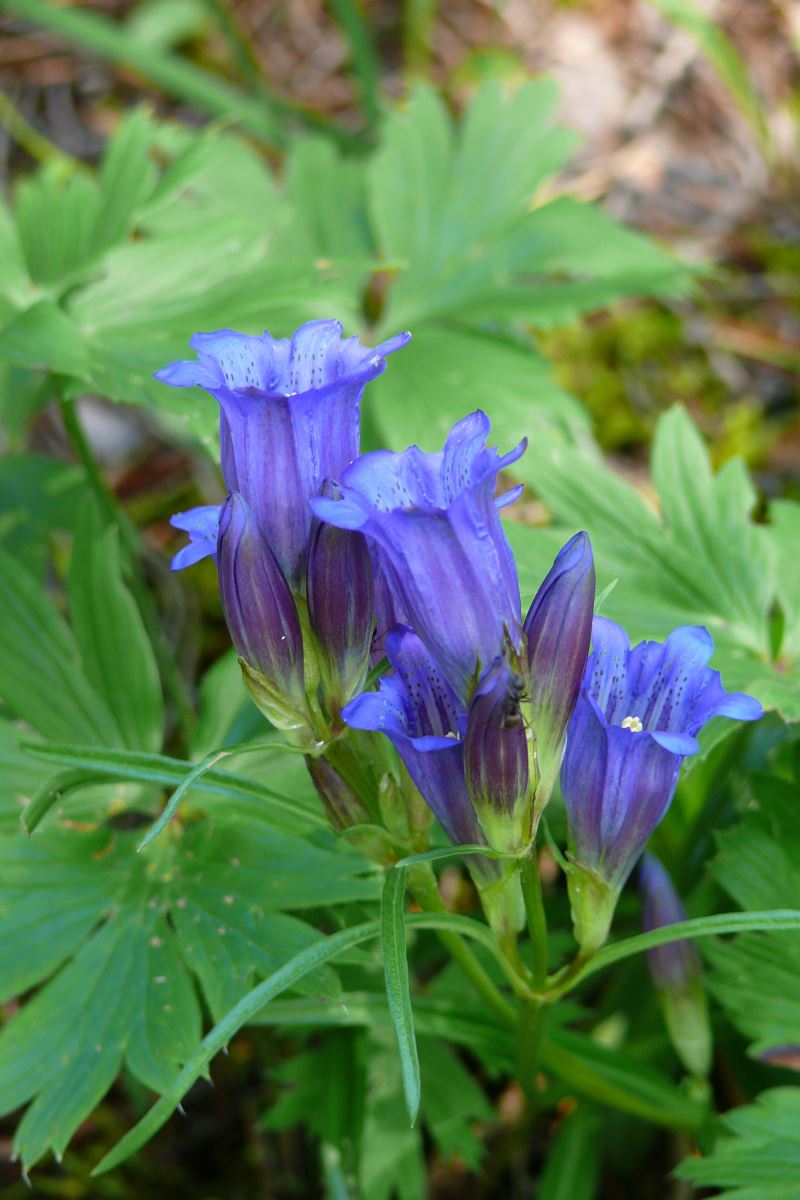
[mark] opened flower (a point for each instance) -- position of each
(635, 721)
(435, 522)
(289, 419)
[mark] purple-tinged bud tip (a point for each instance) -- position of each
(558, 629)
(497, 760)
(341, 606)
(261, 615)
(676, 971)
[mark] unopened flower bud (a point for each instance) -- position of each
(341, 606)
(676, 971)
(497, 760)
(558, 631)
(261, 617)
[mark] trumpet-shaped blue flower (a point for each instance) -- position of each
(422, 716)
(636, 719)
(289, 419)
(434, 518)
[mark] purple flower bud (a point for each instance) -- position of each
(558, 629)
(674, 964)
(341, 606)
(261, 616)
(497, 753)
(676, 971)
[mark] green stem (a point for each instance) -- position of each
(533, 1018)
(129, 539)
(532, 1025)
(422, 884)
(537, 921)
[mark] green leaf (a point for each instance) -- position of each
(43, 338)
(127, 179)
(695, 927)
(446, 371)
(617, 1078)
(392, 1164)
(759, 1156)
(784, 533)
(55, 220)
(104, 619)
(452, 1102)
(395, 964)
(573, 1165)
(287, 976)
(755, 978)
(42, 679)
(217, 905)
(89, 764)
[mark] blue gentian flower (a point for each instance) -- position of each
(434, 518)
(676, 971)
(424, 719)
(289, 419)
(636, 719)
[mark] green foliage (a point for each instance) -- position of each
(759, 1158)
(758, 865)
(101, 286)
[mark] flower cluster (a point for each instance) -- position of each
(330, 562)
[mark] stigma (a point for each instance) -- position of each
(632, 723)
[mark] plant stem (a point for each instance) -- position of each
(537, 921)
(532, 1025)
(423, 887)
(533, 1018)
(132, 549)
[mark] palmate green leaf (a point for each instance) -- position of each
(757, 978)
(429, 203)
(327, 196)
(132, 932)
(758, 1158)
(42, 679)
(395, 965)
(447, 371)
(104, 620)
(701, 560)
